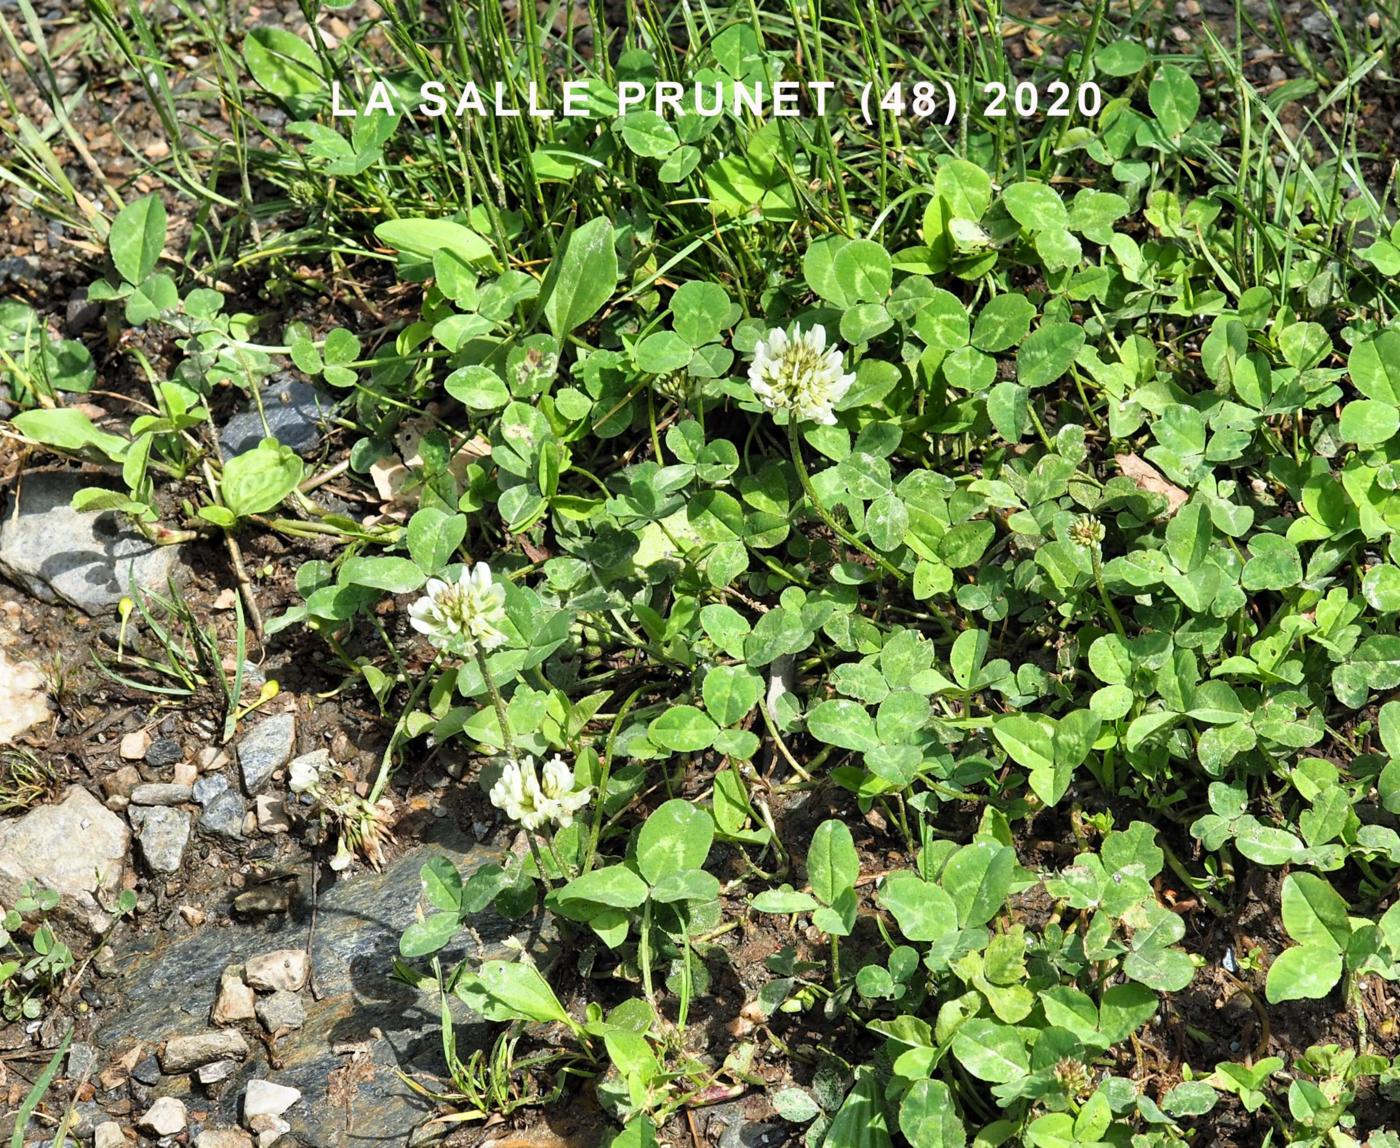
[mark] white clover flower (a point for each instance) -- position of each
(796, 372)
(464, 616)
(520, 795)
(305, 775)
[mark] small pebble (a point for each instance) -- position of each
(165, 1117)
(281, 969)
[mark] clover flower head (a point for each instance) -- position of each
(464, 616)
(533, 801)
(305, 775)
(795, 371)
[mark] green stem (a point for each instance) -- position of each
(395, 739)
(502, 718)
(841, 532)
(1096, 559)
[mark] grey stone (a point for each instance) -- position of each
(164, 751)
(108, 1134)
(219, 1070)
(739, 1131)
(267, 1098)
(167, 981)
(76, 848)
(165, 1117)
(223, 1138)
(235, 1001)
(182, 1053)
(81, 314)
(209, 787)
(223, 816)
(82, 1059)
(280, 1011)
(147, 1071)
(24, 694)
(88, 1114)
(282, 970)
(86, 559)
(266, 748)
(164, 834)
(294, 413)
(161, 793)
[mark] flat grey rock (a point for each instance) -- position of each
(77, 848)
(182, 1053)
(209, 787)
(294, 412)
(168, 983)
(87, 560)
(164, 834)
(281, 1010)
(161, 793)
(267, 747)
(223, 815)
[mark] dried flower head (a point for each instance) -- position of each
(536, 801)
(464, 616)
(795, 371)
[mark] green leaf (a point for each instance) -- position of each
(923, 911)
(258, 480)
(424, 238)
(1174, 99)
(832, 863)
(614, 885)
(584, 278)
(683, 729)
(432, 933)
(844, 723)
(1305, 972)
(1035, 206)
(863, 270)
(477, 388)
(928, 1117)
(282, 63)
(991, 1051)
(1367, 422)
(513, 990)
(794, 1105)
(784, 900)
(1274, 564)
(646, 134)
(1381, 588)
(860, 1122)
(383, 572)
(730, 692)
(1027, 742)
(442, 884)
(676, 836)
(1165, 969)
(69, 430)
(433, 537)
(1313, 912)
(978, 879)
(137, 238)
(1375, 367)
(1003, 322)
(1048, 353)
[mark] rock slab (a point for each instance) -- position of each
(364, 1018)
(86, 559)
(76, 848)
